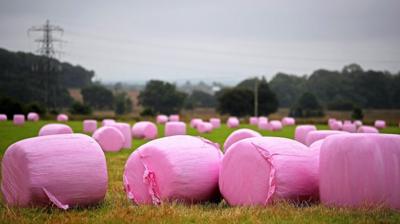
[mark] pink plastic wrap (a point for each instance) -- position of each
(288, 121)
(314, 136)
(62, 118)
(261, 170)
(239, 135)
(204, 127)
(274, 125)
(216, 122)
(19, 119)
(253, 120)
(55, 129)
(302, 131)
(3, 117)
(107, 122)
(358, 123)
(177, 168)
(144, 129)
(64, 170)
(349, 127)
(174, 117)
(194, 122)
(109, 138)
(263, 124)
(125, 129)
(32, 116)
(89, 126)
(367, 129)
(336, 125)
(232, 122)
(175, 128)
(263, 119)
(360, 169)
(161, 119)
(380, 124)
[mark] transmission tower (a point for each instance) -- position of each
(47, 50)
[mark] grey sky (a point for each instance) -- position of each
(225, 41)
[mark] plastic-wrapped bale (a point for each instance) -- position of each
(288, 121)
(301, 132)
(65, 170)
(55, 129)
(216, 122)
(261, 170)
(232, 122)
(161, 119)
(262, 124)
(3, 117)
(177, 168)
(62, 118)
(175, 128)
(253, 120)
(126, 131)
(19, 119)
(274, 125)
(347, 122)
(239, 135)
(316, 146)
(314, 136)
(204, 127)
(349, 127)
(194, 122)
(174, 117)
(109, 138)
(144, 129)
(336, 125)
(380, 124)
(358, 123)
(32, 116)
(107, 122)
(359, 170)
(89, 126)
(367, 129)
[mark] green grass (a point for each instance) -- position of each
(117, 209)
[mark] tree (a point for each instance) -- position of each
(267, 102)
(357, 114)
(98, 96)
(288, 88)
(306, 106)
(200, 99)
(123, 103)
(236, 102)
(161, 97)
(79, 108)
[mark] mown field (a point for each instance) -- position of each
(117, 209)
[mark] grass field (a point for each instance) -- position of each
(117, 209)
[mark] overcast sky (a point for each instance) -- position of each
(210, 40)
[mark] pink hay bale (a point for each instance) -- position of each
(349, 127)
(204, 127)
(360, 169)
(175, 128)
(194, 122)
(367, 129)
(358, 123)
(232, 122)
(316, 146)
(3, 117)
(89, 126)
(161, 119)
(107, 122)
(261, 170)
(314, 136)
(288, 121)
(239, 135)
(253, 120)
(347, 122)
(126, 131)
(32, 116)
(55, 129)
(62, 118)
(336, 125)
(216, 122)
(144, 129)
(263, 119)
(64, 170)
(109, 138)
(380, 124)
(301, 132)
(331, 120)
(19, 119)
(262, 124)
(174, 117)
(177, 168)
(274, 125)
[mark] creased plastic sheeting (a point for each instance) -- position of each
(62, 118)
(260, 170)
(194, 122)
(360, 169)
(380, 124)
(175, 128)
(314, 136)
(288, 121)
(216, 122)
(177, 168)
(301, 132)
(239, 135)
(367, 129)
(109, 138)
(126, 131)
(66, 170)
(174, 117)
(161, 119)
(232, 122)
(55, 129)
(144, 129)
(204, 127)
(32, 116)
(89, 126)
(19, 119)
(3, 117)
